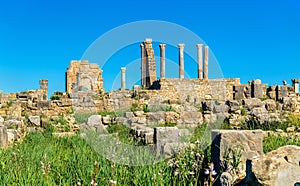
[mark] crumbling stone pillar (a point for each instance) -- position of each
(181, 61)
(256, 89)
(281, 92)
(44, 87)
(296, 85)
(143, 65)
(205, 74)
(123, 82)
(200, 61)
(150, 63)
(238, 92)
(162, 60)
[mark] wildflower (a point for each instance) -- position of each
(206, 172)
(191, 173)
(112, 182)
(214, 172)
(93, 182)
(197, 142)
(176, 173)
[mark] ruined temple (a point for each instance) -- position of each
(82, 75)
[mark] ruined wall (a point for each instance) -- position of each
(81, 75)
(216, 89)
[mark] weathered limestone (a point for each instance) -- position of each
(296, 85)
(281, 92)
(276, 168)
(162, 60)
(181, 61)
(81, 75)
(238, 92)
(123, 78)
(248, 143)
(3, 136)
(256, 89)
(44, 87)
(205, 72)
(35, 120)
(200, 61)
(150, 67)
(143, 66)
(165, 135)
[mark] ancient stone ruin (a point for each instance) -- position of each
(148, 108)
(81, 75)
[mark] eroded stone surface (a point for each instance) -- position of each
(247, 142)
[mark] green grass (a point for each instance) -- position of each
(82, 117)
(72, 160)
(274, 142)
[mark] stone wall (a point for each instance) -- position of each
(81, 75)
(199, 89)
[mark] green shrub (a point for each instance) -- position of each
(134, 107)
(55, 97)
(145, 108)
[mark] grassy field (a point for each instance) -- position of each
(42, 159)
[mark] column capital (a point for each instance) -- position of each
(148, 40)
(180, 45)
(142, 45)
(162, 45)
(296, 80)
(123, 68)
(199, 45)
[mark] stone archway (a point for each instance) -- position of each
(86, 82)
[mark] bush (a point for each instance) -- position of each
(54, 97)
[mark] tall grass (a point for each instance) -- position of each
(42, 159)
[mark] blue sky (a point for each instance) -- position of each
(250, 39)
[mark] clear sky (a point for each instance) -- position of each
(250, 39)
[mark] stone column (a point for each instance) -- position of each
(181, 61)
(162, 60)
(200, 61)
(123, 82)
(296, 85)
(143, 65)
(205, 73)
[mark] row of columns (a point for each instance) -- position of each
(202, 70)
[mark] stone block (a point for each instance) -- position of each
(252, 103)
(35, 120)
(129, 115)
(190, 118)
(3, 137)
(94, 120)
(149, 138)
(224, 142)
(238, 92)
(164, 135)
(279, 167)
(256, 89)
(156, 117)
